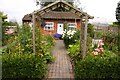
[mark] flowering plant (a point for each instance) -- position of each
(99, 49)
(111, 41)
(70, 37)
(68, 34)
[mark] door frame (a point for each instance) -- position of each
(58, 26)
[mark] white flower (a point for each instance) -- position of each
(95, 53)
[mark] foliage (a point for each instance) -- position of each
(98, 34)
(15, 65)
(72, 41)
(118, 11)
(74, 51)
(45, 47)
(13, 23)
(115, 24)
(5, 24)
(3, 16)
(103, 66)
(91, 30)
(18, 55)
(111, 41)
(70, 37)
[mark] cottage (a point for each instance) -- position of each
(53, 17)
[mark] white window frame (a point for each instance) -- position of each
(49, 26)
(70, 27)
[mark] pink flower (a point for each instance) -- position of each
(97, 49)
(102, 50)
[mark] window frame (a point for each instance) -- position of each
(72, 27)
(49, 27)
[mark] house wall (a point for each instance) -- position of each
(52, 32)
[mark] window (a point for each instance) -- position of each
(49, 26)
(72, 26)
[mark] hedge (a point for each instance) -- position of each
(23, 66)
(98, 67)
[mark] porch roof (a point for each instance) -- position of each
(60, 15)
(46, 11)
(62, 4)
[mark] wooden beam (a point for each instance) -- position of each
(58, 5)
(72, 10)
(78, 13)
(54, 7)
(48, 10)
(67, 7)
(42, 12)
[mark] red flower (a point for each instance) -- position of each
(113, 41)
(16, 44)
(104, 39)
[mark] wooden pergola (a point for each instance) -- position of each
(84, 19)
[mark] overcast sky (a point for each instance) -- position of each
(102, 10)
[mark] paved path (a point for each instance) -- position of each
(61, 68)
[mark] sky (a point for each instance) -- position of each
(102, 10)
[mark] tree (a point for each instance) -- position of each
(118, 18)
(5, 37)
(47, 2)
(4, 17)
(115, 24)
(118, 12)
(91, 30)
(3, 28)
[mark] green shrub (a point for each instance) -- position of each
(103, 66)
(23, 66)
(18, 60)
(111, 42)
(74, 50)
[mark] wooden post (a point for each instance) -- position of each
(33, 20)
(1, 46)
(85, 37)
(0, 31)
(81, 36)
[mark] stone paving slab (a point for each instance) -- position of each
(61, 68)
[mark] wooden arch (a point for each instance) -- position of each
(60, 3)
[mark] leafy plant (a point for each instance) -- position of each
(23, 66)
(111, 41)
(74, 51)
(70, 37)
(102, 66)
(18, 60)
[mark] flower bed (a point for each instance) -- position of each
(19, 60)
(111, 42)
